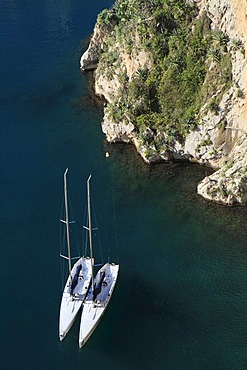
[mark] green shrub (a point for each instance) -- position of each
(222, 125)
(219, 37)
(214, 54)
(168, 97)
(205, 142)
(214, 107)
(240, 94)
(237, 44)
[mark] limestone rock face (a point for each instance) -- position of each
(90, 58)
(125, 66)
(211, 144)
(228, 185)
(124, 131)
(230, 17)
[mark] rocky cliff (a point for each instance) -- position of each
(131, 50)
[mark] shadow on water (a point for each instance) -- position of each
(40, 99)
(158, 321)
(83, 102)
(194, 314)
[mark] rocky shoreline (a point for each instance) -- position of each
(220, 138)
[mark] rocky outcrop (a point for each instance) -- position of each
(220, 139)
(228, 185)
(124, 131)
(90, 58)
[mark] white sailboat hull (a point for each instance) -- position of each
(95, 306)
(72, 300)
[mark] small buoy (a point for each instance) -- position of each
(107, 154)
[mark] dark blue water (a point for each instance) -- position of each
(181, 298)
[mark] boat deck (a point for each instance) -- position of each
(71, 304)
(106, 286)
(94, 307)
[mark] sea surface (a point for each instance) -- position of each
(181, 299)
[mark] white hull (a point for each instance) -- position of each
(72, 301)
(95, 306)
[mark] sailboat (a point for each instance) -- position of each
(101, 288)
(78, 281)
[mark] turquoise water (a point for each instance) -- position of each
(180, 302)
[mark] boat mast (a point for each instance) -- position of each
(67, 220)
(90, 227)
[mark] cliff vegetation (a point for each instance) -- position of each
(166, 69)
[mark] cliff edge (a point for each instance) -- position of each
(175, 82)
